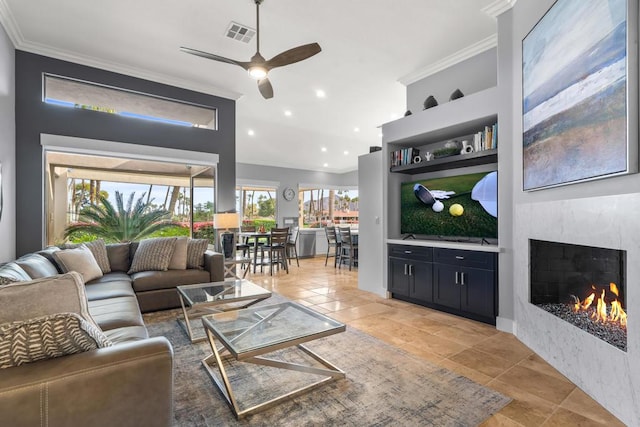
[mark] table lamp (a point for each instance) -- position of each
(225, 221)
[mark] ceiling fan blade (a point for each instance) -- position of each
(265, 88)
(294, 55)
(218, 58)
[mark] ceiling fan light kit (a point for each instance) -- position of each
(258, 67)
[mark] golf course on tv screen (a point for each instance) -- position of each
(462, 206)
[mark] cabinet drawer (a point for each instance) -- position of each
(418, 253)
(483, 260)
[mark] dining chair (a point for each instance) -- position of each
(332, 243)
(244, 245)
(277, 248)
(348, 248)
(292, 250)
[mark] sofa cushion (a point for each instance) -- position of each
(114, 276)
(153, 280)
(127, 333)
(48, 254)
(13, 271)
(47, 337)
(110, 289)
(43, 297)
(116, 312)
(81, 260)
(118, 254)
(37, 266)
(179, 256)
(153, 254)
(195, 252)
(99, 251)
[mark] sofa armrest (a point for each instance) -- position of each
(214, 264)
(129, 384)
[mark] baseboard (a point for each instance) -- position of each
(506, 325)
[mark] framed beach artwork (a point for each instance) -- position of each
(579, 92)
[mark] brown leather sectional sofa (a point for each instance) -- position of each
(127, 384)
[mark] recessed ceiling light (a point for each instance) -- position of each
(320, 93)
(287, 113)
(250, 132)
(323, 149)
(325, 165)
(356, 129)
(346, 153)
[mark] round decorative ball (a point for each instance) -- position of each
(456, 209)
(438, 206)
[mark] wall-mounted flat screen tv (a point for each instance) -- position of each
(458, 208)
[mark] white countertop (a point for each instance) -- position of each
(448, 245)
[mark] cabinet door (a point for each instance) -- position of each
(478, 291)
(398, 280)
(421, 280)
(446, 285)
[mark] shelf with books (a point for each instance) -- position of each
(451, 162)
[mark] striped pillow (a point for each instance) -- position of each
(195, 253)
(47, 337)
(153, 255)
(99, 250)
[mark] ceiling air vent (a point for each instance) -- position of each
(240, 32)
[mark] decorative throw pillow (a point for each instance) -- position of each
(13, 271)
(7, 280)
(195, 252)
(46, 337)
(179, 257)
(64, 293)
(99, 250)
(81, 260)
(153, 255)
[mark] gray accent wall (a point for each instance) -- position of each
(34, 117)
(288, 177)
(471, 75)
(7, 147)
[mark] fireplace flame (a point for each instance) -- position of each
(615, 314)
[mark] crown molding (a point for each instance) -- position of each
(13, 31)
(10, 25)
(451, 60)
(498, 7)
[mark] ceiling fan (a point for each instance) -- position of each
(258, 67)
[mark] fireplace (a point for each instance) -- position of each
(582, 285)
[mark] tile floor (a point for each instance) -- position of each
(541, 395)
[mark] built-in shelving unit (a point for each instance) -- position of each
(418, 270)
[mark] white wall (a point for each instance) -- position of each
(287, 177)
(7, 147)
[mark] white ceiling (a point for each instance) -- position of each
(367, 46)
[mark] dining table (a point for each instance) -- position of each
(254, 237)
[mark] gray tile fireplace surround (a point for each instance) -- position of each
(592, 364)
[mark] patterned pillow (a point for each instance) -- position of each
(153, 255)
(99, 250)
(195, 252)
(179, 257)
(81, 260)
(7, 280)
(47, 337)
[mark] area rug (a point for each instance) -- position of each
(384, 386)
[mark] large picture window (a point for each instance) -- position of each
(325, 206)
(257, 205)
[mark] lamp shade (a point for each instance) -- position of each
(226, 220)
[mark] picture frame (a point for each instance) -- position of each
(580, 93)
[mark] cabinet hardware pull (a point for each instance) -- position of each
(462, 277)
(405, 269)
(410, 269)
(457, 277)
(459, 257)
(408, 252)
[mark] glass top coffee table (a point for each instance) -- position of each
(207, 298)
(247, 334)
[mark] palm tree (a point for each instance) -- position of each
(120, 225)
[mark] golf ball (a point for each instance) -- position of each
(437, 206)
(456, 209)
